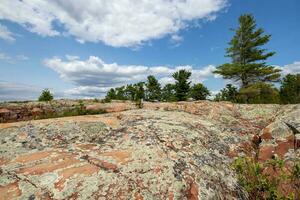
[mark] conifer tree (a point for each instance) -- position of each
(168, 93)
(229, 93)
(248, 58)
(110, 95)
(290, 89)
(153, 89)
(130, 92)
(199, 92)
(46, 95)
(182, 84)
(139, 94)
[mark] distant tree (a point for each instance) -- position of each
(290, 89)
(199, 92)
(247, 57)
(259, 93)
(110, 95)
(139, 94)
(168, 93)
(182, 84)
(120, 93)
(229, 93)
(46, 95)
(130, 92)
(153, 89)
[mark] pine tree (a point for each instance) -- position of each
(139, 94)
(248, 64)
(153, 89)
(46, 95)
(290, 89)
(120, 93)
(130, 92)
(110, 95)
(168, 93)
(182, 85)
(229, 93)
(199, 92)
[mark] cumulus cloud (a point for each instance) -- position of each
(117, 23)
(5, 34)
(93, 76)
(293, 68)
(15, 91)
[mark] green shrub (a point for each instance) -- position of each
(258, 93)
(259, 184)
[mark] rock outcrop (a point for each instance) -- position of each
(13, 112)
(164, 151)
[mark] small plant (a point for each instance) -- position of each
(46, 95)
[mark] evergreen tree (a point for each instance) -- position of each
(110, 95)
(182, 85)
(199, 92)
(248, 58)
(120, 93)
(46, 95)
(139, 94)
(229, 93)
(290, 89)
(130, 92)
(153, 89)
(168, 93)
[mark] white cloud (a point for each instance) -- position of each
(117, 23)
(293, 68)
(5, 57)
(15, 91)
(22, 57)
(176, 40)
(12, 59)
(5, 34)
(93, 76)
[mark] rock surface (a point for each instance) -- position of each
(163, 151)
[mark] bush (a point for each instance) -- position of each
(46, 95)
(261, 184)
(258, 93)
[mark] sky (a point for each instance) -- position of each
(82, 48)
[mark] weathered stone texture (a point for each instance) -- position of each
(164, 151)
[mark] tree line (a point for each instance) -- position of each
(151, 90)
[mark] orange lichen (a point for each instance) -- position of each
(86, 169)
(121, 156)
(33, 156)
(10, 191)
(48, 166)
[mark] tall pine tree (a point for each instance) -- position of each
(248, 64)
(182, 84)
(153, 89)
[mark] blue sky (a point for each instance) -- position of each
(80, 49)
